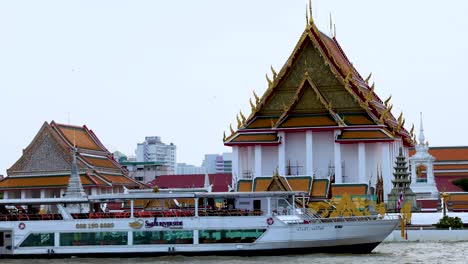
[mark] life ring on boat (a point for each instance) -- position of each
(21, 225)
(270, 221)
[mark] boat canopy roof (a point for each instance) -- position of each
(149, 196)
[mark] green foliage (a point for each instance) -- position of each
(462, 183)
(447, 221)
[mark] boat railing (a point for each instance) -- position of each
(312, 215)
(167, 213)
(30, 217)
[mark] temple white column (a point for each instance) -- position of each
(309, 153)
(258, 160)
(430, 173)
(5, 194)
(23, 194)
(337, 153)
(249, 166)
(386, 168)
(362, 163)
(413, 172)
(282, 154)
(235, 166)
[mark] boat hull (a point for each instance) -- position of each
(357, 237)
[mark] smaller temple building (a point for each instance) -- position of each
(44, 168)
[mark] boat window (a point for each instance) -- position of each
(39, 240)
(163, 237)
(93, 239)
(229, 236)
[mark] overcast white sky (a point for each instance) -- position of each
(183, 69)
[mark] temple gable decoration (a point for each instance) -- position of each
(319, 87)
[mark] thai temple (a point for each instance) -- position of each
(44, 169)
(318, 121)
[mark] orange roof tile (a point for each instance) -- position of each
(270, 137)
(244, 186)
(300, 184)
(351, 189)
(101, 162)
(363, 134)
(44, 181)
(78, 135)
(262, 122)
(449, 153)
(308, 121)
(457, 197)
(319, 188)
(357, 119)
(118, 179)
(261, 184)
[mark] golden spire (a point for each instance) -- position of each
(331, 24)
(252, 105)
(385, 113)
(400, 118)
(368, 78)
(242, 117)
(307, 16)
(239, 124)
(274, 72)
(388, 100)
(370, 94)
(224, 135)
(412, 130)
(334, 31)
(268, 80)
(310, 11)
(230, 128)
(257, 99)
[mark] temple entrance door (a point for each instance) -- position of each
(5, 243)
(257, 205)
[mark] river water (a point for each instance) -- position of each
(395, 253)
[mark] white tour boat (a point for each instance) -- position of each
(249, 224)
(246, 223)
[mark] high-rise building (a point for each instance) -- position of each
(184, 168)
(215, 163)
(154, 150)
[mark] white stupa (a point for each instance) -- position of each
(423, 162)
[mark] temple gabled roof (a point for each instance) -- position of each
(319, 88)
(46, 161)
